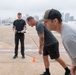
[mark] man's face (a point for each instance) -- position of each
(31, 22)
(19, 16)
(49, 24)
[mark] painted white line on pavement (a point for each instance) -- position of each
(28, 50)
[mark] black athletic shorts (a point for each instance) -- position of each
(52, 51)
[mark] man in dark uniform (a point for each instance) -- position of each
(19, 27)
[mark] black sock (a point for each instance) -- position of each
(47, 70)
(67, 69)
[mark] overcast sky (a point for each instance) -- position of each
(9, 8)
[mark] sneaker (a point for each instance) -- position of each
(45, 73)
(67, 72)
(23, 57)
(15, 57)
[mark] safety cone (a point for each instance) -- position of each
(34, 60)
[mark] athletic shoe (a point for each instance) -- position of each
(23, 57)
(15, 57)
(45, 73)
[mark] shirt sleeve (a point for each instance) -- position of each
(14, 23)
(40, 29)
(70, 45)
(24, 23)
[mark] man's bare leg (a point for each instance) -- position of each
(46, 63)
(62, 63)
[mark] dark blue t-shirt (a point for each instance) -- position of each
(19, 24)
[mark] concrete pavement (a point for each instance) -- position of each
(19, 66)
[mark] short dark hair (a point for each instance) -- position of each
(29, 18)
(19, 13)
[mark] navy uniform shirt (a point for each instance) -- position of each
(19, 24)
